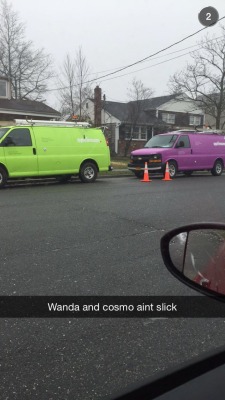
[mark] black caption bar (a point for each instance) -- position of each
(110, 307)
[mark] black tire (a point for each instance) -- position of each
(188, 173)
(139, 174)
(63, 178)
(217, 168)
(3, 177)
(172, 169)
(88, 172)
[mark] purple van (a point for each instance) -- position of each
(184, 151)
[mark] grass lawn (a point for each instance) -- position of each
(119, 162)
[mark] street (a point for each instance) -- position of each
(97, 239)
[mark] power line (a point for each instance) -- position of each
(150, 66)
(139, 61)
(152, 55)
(155, 58)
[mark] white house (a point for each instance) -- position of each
(156, 115)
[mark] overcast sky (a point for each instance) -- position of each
(115, 33)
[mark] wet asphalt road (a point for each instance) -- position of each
(97, 239)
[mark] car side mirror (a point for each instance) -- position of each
(195, 254)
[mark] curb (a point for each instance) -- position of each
(113, 176)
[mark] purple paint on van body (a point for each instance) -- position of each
(188, 151)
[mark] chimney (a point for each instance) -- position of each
(98, 105)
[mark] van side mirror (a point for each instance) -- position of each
(195, 254)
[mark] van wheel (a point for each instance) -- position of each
(88, 172)
(172, 169)
(3, 177)
(217, 168)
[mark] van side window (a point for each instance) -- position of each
(18, 137)
(183, 141)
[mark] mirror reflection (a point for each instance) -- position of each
(200, 256)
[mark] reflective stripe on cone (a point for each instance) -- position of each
(167, 173)
(146, 176)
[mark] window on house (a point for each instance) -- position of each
(127, 132)
(139, 133)
(194, 120)
(135, 132)
(168, 118)
(18, 137)
(143, 135)
(3, 88)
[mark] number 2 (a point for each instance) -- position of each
(208, 17)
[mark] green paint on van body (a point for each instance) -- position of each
(36, 151)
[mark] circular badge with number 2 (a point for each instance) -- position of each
(208, 16)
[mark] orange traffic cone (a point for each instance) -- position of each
(167, 173)
(146, 176)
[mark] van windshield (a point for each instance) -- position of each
(161, 141)
(3, 132)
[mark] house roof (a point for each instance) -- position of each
(122, 110)
(28, 107)
(155, 102)
(118, 110)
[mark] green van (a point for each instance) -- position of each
(52, 149)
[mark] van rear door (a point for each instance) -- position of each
(206, 150)
(20, 153)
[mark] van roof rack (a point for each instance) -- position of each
(202, 132)
(36, 122)
(186, 130)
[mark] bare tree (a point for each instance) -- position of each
(203, 80)
(68, 84)
(74, 86)
(28, 69)
(82, 72)
(138, 95)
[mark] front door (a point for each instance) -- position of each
(20, 153)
